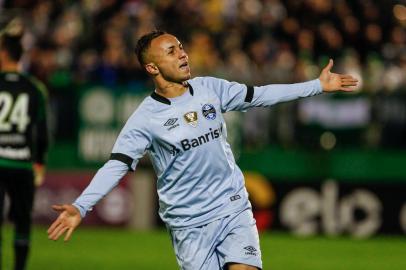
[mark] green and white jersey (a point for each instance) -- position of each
(198, 180)
(23, 122)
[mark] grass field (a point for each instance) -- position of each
(104, 249)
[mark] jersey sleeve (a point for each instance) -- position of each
(232, 95)
(40, 127)
(240, 97)
(132, 142)
(130, 146)
(106, 178)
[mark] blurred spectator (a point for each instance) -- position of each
(262, 29)
(252, 41)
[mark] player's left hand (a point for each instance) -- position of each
(331, 82)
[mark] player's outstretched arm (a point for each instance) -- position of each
(67, 221)
(331, 82)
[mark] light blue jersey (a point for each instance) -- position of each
(198, 179)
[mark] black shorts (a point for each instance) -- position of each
(18, 184)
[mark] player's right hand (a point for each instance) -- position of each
(39, 174)
(67, 221)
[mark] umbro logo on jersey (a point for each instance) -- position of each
(191, 118)
(170, 122)
(250, 250)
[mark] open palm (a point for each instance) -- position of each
(332, 82)
(67, 221)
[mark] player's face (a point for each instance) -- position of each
(170, 59)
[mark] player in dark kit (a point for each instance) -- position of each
(23, 142)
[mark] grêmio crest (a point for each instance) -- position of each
(191, 118)
(209, 112)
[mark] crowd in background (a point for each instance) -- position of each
(252, 41)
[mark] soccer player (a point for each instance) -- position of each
(23, 142)
(202, 197)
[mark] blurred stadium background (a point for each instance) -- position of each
(326, 175)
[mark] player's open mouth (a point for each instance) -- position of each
(184, 66)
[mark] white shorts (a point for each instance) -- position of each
(232, 239)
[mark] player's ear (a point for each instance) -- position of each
(152, 69)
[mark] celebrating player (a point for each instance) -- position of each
(202, 196)
(23, 142)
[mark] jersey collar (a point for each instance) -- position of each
(164, 100)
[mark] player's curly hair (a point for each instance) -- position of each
(143, 44)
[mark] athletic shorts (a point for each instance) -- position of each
(232, 239)
(18, 184)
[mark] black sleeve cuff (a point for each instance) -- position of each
(250, 94)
